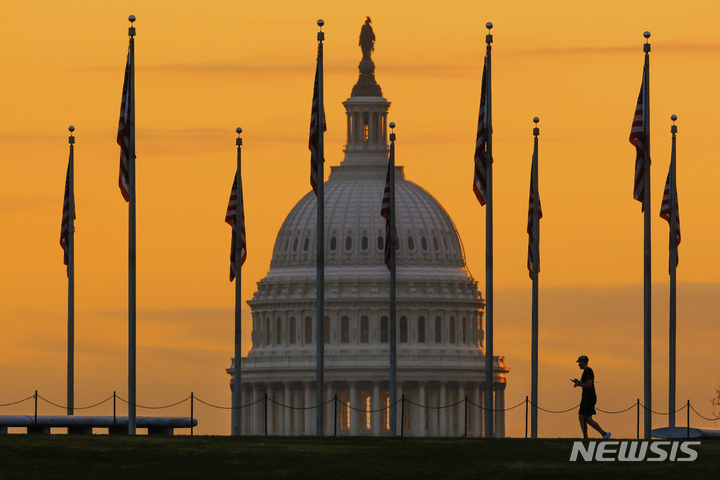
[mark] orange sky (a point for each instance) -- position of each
(205, 68)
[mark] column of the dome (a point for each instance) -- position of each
(477, 413)
(308, 413)
(270, 411)
(499, 410)
(353, 413)
(421, 410)
(330, 414)
(462, 421)
(287, 410)
(377, 414)
(443, 411)
(257, 411)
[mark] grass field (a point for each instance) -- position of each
(206, 457)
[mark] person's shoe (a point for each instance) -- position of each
(606, 436)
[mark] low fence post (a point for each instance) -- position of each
(335, 415)
(466, 417)
(526, 415)
(638, 419)
(192, 413)
(114, 407)
(266, 414)
(402, 415)
(36, 396)
(688, 418)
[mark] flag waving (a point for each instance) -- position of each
(314, 141)
(230, 216)
(637, 138)
(123, 136)
(66, 223)
(480, 180)
(385, 212)
(531, 228)
(670, 197)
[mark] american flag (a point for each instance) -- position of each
(665, 211)
(230, 220)
(530, 224)
(123, 136)
(385, 212)
(65, 227)
(480, 182)
(637, 138)
(314, 141)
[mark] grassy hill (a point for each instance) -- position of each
(204, 457)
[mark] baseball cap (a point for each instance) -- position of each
(582, 358)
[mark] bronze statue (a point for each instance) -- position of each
(367, 39)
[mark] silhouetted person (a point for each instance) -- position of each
(367, 39)
(588, 399)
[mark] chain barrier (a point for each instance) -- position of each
(701, 416)
(336, 401)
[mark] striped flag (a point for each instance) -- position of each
(65, 227)
(480, 180)
(665, 211)
(123, 136)
(637, 138)
(530, 230)
(385, 212)
(314, 141)
(230, 220)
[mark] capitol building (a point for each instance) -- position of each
(440, 350)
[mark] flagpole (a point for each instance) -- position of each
(393, 290)
(320, 244)
(71, 277)
(536, 273)
(236, 391)
(132, 250)
(647, 298)
(673, 268)
(489, 371)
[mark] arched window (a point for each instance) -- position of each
(380, 243)
(421, 329)
(411, 243)
(384, 329)
(364, 329)
(333, 243)
(308, 330)
(306, 244)
(452, 330)
(364, 243)
(464, 330)
(438, 329)
(348, 243)
(267, 331)
(345, 329)
(292, 334)
(326, 330)
(436, 245)
(295, 244)
(403, 329)
(278, 331)
(424, 244)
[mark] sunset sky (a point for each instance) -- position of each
(205, 68)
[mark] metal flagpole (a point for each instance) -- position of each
(489, 371)
(647, 298)
(393, 290)
(132, 251)
(320, 244)
(71, 277)
(673, 267)
(536, 272)
(237, 392)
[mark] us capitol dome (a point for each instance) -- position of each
(440, 354)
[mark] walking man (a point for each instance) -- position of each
(588, 399)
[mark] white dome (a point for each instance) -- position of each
(355, 230)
